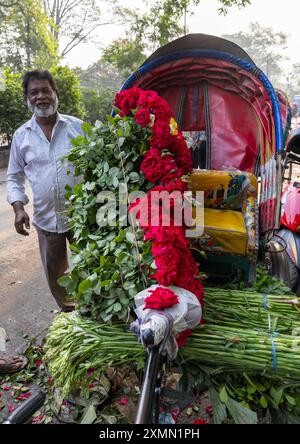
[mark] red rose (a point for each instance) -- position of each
(172, 177)
(160, 108)
(162, 137)
(142, 117)
(183, 337)
(38, 362)
(174, 235)
(169, 206)
(209, 409)
(195, 286)
(146, 97)
(23, 396)
(168, 263)
(160, 299)
(200, 421)
(184, 160)
(154, 165)
(176, 185)
(127, 100)
(38, 419)
(141, 209)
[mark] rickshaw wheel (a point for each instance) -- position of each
(280, 265)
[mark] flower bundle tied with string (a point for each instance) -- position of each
(164, 166)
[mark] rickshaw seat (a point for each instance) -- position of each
(230, 211)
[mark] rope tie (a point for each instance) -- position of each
(271, 333)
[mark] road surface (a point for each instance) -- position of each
(26, 305)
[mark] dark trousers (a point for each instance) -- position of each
(53, 251)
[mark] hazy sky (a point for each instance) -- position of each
(282, 15)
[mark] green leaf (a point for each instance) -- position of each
(240, 414)
(121, 141)
(251, 390)
(84, 285)
(290, 399)
(276, 395)
(219, 409)
(88, 129)
(127, 129)
(117, 307)
(263, 402)
(130, 237)
(223, 395)
(90, 186)
(134, 177)
(64, 281)
(120, 132)
(105, 283)
(115, 182)
(89, 415)
(114, 171)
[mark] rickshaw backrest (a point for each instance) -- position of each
(224, 190)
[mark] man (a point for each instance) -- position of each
(37, 150)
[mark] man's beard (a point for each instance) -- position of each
(43, 112)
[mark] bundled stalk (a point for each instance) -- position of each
(241, 309)
(244, 350)
(75, 345)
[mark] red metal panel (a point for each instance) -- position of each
(234, 132)
(291, 207)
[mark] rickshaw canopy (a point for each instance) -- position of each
(215, 88)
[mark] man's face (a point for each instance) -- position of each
(41, 98)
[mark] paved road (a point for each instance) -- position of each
(26, 305)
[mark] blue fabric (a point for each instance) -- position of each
(274, 352)
(251, 67)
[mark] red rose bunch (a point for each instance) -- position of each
(155, 166)
(126, 101)
(182, 337)
(167, 160)
(160, 299)
(142, 117)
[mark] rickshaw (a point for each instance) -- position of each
(232, 119)
(234, 123)
(283, 257)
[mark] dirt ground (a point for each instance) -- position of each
(26, 305)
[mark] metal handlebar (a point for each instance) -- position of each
(25, 411)
(145, 412)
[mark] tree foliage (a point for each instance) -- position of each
(70, 97)
(294, 79)
(97, 104)
(125, 56)
(99, 75)
(13, 109)
(73, 20)
(164, 20)
(264, 46)
(98, 83)
(26, 36)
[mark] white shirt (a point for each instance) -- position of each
(33, 156)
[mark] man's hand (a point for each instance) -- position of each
(21, 218)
